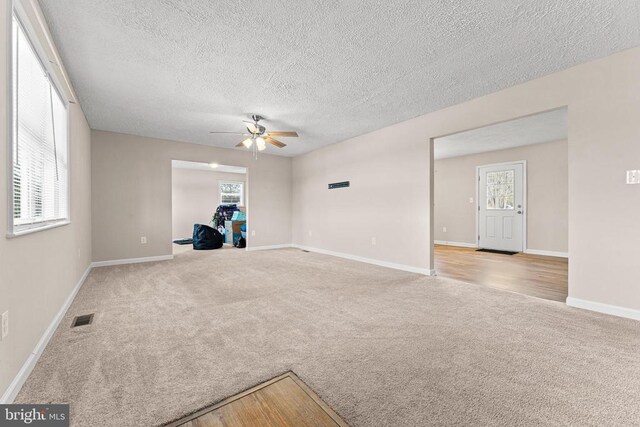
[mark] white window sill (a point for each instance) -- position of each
(37, 229)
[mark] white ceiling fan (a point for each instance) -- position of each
(258, 137)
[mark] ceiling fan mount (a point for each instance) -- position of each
(259, 128)
(258, 136)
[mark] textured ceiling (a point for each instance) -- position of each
(330, 70)
(536, 129)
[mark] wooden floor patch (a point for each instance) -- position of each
(534, 275)
(282, 401)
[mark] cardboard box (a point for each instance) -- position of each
(232, 231)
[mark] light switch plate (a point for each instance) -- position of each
(143, 240)
(633, 177)
(5, 324)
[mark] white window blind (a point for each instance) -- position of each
(40, 141)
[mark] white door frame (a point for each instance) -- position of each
(524, 200)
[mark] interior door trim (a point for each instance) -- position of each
(525, 209)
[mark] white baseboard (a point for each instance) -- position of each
(614, 310)
(458, 244)
(393, 265)
(266, 248)
(546, 253)
(19, 380)
(131, 260)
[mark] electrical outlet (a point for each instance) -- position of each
(5, 324)
(143, 240)
(444, 229)
(633, 177)
(373, 241)
(253, 233)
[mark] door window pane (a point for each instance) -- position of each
(500, 189)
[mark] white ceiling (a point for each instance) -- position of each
(183, 164)
(536, 129)
(329, 70)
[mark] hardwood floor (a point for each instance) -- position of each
(538, 276)
(284, 401)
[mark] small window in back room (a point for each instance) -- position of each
(39, 141)
(231, 192)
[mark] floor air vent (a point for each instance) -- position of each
(83, 320)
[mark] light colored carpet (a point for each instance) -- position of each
(382, 347)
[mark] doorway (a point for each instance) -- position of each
(210, 194)
(500, 214)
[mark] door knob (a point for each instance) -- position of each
(520, 212)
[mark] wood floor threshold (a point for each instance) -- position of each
(298, 382)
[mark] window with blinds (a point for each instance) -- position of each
(40, 141)
(231, 192)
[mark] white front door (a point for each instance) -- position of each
(501, 207)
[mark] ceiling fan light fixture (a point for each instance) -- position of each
(259, 134)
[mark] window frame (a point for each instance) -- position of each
(226, 181)
(16, 11)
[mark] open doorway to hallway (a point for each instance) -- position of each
(207, 194)
(501, 205)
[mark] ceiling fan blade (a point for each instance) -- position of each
(283, 134)
(251, 127)
(232, 133)
(275, 142)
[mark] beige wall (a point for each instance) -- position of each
(131, 187)
(38, 271)
(603, 99)
(547, 195)
(388, 198)
(195, 195)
